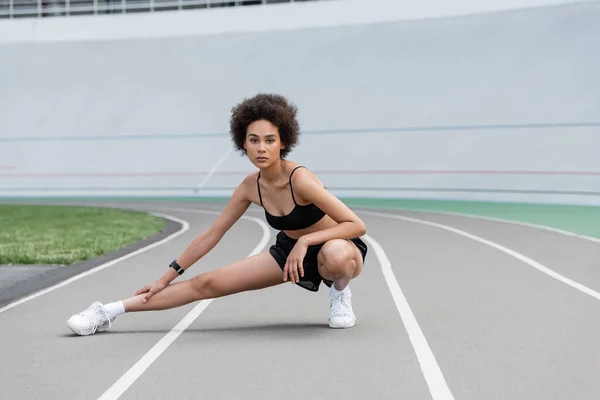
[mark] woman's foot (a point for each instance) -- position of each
(341, 314)
(95, 318)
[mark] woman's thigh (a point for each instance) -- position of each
(252, 273)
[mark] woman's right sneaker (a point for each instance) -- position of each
(93, 319)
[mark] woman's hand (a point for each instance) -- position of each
(293, 265)
(151, 290)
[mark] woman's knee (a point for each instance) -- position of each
(337, 257)
(204, 285)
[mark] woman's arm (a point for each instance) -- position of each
(207, 240)
(308, 187)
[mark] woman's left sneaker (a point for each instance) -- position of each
(93, 319)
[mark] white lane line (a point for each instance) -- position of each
(506, 221)
(497, 246)
(123, 383)
(431, 371)
(185, 226)
(213, 170)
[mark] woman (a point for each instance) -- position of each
(318, 238)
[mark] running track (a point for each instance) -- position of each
(448, 307)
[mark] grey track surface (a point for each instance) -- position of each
(499, 329)
(13, 276)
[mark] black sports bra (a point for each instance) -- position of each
(300, 217)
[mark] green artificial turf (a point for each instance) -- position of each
(63, 235)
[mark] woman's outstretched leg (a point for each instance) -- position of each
(252, 273)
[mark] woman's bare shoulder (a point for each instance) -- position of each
(304, 174)
(248, 186)
(251, 177)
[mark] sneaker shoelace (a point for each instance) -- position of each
(341, 305)
(91, 313)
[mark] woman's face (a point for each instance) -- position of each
(263, 143)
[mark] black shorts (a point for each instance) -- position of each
(311, 279)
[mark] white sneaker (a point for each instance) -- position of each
(340, 313)
(93, 319)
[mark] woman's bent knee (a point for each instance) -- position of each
(337, 261)
(337, 258)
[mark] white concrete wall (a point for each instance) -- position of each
(503, 106)
(272, 17)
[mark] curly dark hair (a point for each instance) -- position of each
(270, 107)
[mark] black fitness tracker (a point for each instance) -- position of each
(176, 267)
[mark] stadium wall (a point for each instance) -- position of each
(501, 106)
